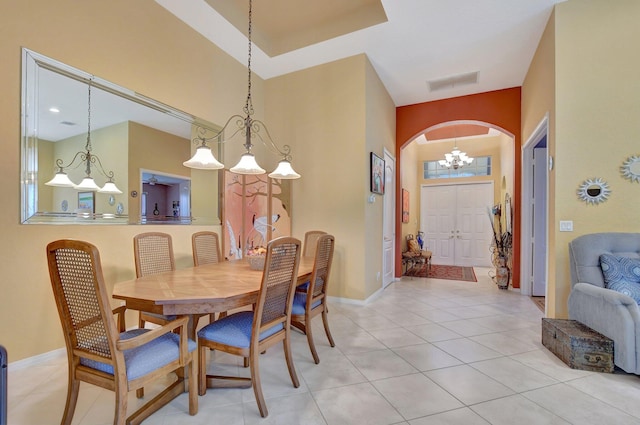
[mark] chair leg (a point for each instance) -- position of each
(289, 359)
(193, 390)
(72, 398)
(121, 404)
(202, 370)
(325, 322)
(246, 362)
(255, 382)
(140, 392)
(312, 346)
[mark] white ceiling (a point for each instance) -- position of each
(417, 41)
(422, 40)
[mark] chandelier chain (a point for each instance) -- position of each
(248, 107)
(88, 147)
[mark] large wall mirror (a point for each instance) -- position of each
(142, 141)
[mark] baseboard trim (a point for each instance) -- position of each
(352, 301)
(37, 360)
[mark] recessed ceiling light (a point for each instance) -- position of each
(54, 110)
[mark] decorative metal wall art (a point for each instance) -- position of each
(594, 191)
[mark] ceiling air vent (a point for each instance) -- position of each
(453, 81)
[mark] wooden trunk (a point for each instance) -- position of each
(579, 346)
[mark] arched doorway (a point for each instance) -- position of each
(455, 199)
(500, 108)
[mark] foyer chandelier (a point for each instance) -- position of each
(456, 159)
(250, 128)
(61, 179)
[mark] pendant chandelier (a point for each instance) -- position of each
(250, 128)
(456, 159)
(61, 179)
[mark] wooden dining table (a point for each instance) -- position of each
(209, 288)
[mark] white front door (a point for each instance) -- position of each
(456, 223)
(389, 221)
(437, 221)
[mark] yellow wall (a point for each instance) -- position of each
(137, 45)
(409, 181)
(583, 77)
(538, 101)
(597, 126)
(321, 113)
(380, 135)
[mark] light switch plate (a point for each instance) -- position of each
(566, 226)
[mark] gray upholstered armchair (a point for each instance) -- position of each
(609, 312)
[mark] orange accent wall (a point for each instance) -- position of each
(500, 108)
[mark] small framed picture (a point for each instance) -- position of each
(87, 201)
(377, 174)
(405, 206)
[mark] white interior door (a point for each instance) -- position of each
(539, 222)
(456, 223)
(389, 221)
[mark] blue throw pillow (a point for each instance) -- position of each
(621, 274)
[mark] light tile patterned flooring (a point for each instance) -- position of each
(425, 352)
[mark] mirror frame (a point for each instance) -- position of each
(599, 183)
(627, 169)
(32, 63)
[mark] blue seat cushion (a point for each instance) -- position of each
(235, 330)
(621, 274)
(300, 302)
(141, 360)
(303, 286)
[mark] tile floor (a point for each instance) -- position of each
(425, 352)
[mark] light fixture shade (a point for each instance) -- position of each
(110, 187)
(87, 184)
(61, 179)
(247, 165)
(284, 171)
(203, 159)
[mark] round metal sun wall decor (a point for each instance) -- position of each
(630, 169)
(594, 191)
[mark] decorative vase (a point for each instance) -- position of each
(502, 274)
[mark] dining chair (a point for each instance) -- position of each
(310, 242)
(206, 248)
(153, 254)
(100, 352)
(249, 333)
(311, 301)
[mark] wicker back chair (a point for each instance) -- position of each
(310, 242)
(153, 254)
(98, 349)
(248, 333)
(206, 248)
(311, 298)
